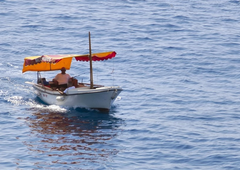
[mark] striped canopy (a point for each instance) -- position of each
(56, 62)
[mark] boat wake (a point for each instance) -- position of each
(118, 98)
(34, 105)
(49, 108)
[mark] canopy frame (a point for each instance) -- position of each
(56, 62)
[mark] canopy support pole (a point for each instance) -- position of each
(38, 77)
(90, 61)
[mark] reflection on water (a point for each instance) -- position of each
(76, 137)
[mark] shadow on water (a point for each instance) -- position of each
(78, 137)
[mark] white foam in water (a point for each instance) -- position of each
(50, 108)
(3, 93)
(19, 100)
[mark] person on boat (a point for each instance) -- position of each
(61, 80)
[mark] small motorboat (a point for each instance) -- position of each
(83, 95)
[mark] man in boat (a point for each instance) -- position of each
(61, 80)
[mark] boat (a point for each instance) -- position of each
(82, 95)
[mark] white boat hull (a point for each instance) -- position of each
(98, 98)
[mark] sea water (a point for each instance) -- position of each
(177, 61)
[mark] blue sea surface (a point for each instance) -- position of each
(177, 61)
